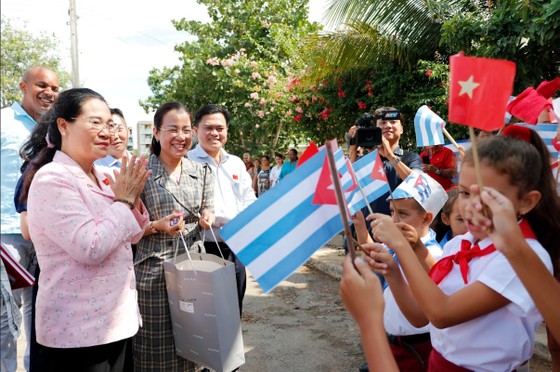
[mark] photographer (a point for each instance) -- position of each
(398, 163)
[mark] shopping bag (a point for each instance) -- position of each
(204, 310)
(18, 275)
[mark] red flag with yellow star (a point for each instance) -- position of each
(479, 91)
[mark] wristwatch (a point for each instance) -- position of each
(438, 171)
(395, 161)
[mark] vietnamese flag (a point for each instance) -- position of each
(528, 105)
(548, 88)
(479, 91)
(311, 150)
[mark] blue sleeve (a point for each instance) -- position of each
(20, 206)
(413, 160)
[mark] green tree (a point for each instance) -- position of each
(526, 32)
(374, 32)
(20, 50)
(243, 59)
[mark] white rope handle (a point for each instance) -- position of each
(188, 253)
(216, 241)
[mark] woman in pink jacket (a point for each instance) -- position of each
(82, 224)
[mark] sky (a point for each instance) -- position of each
(118, 42)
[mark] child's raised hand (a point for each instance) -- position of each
(503, 228)
(361, 291)
(409, 233)
(385, 231)
(361, 229)
(380, 260)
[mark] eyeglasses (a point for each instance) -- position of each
(98, 125)
(175, 132)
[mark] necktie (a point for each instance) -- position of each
(444, 266)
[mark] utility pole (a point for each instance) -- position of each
(74, 44)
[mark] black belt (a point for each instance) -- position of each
(408, 340)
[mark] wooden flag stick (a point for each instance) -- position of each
(502, 129)
(449, 137)
(340, 198)
(476, 160)
(360, 187)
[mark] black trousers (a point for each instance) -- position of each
(240, 274)
(100, 358)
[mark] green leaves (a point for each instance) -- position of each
(247, 49)
(375, 31)
(21, 50)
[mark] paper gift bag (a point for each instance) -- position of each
(18, 275)
(204, 310)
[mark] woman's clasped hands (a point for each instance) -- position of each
(129, 182)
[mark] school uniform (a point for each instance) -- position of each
(501, 340)
(410, 346)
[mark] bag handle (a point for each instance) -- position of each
(187, 250)
(201, 202)
(215, 241)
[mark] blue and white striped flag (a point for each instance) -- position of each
(547, 133)
(507, 117)
(428, 127)
(373, 189)
(282, 229)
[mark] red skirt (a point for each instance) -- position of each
(439, 364)
(411, 352)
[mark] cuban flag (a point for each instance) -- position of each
(282, 229)
(507, 117)
(370, 174)
(428, 127)
(547, 133)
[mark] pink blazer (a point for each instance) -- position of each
(87, 289)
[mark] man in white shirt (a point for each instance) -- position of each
(233, 189)
(118, 147)
(40, 88)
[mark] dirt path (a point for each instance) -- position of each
(300, 326)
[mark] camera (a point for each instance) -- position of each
(368, 134)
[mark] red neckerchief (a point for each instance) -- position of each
(444, 266)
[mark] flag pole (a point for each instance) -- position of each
(449, 137)
(476, 161)
(340, 198)
(360, 186)
(364, 194)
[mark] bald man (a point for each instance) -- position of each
(40, 88)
